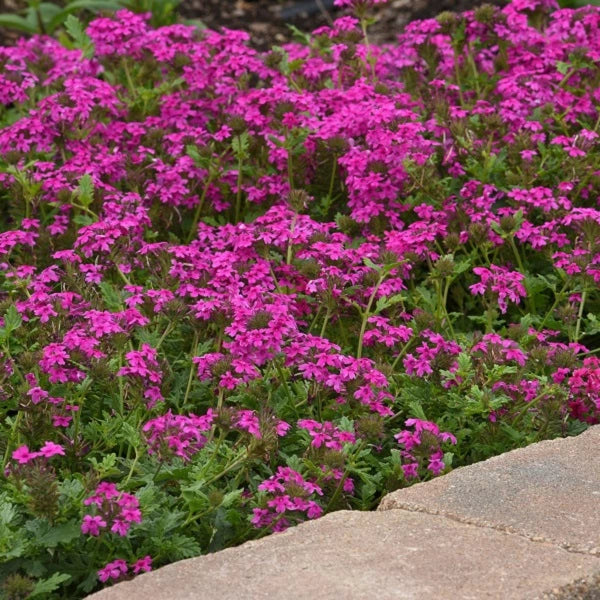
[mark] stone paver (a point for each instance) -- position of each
(549, 490)
(394, 554)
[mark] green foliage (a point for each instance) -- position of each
(48, 17)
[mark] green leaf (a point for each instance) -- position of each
(48, 11)
(369, 263)
(47, 586)
(8, 513)
(76, 30)
(300, 36)
(387, 301)
(240, 145)
(12, 319)
(60, 18)
(59, 534)
(82, 220)
(231, 498)
(111, 296)
(417, 410)
(85, 190)
(16, 22)
(448, 457)
(92, 5)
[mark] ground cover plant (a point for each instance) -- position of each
(240, 290)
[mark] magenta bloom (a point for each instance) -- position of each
(119, 509)
(50, 449)
(22, 455)
(143, 564)
(91, 525)
(113, 570)
(503, 284)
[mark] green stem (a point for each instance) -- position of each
(332, 178)
(288, 258)
(199, 207)
(444, 303)
(580, 315)
(284, 382)
(133, 465)
(11, 439)
(554, 304)
(366, 315)
(191, 373)
(489, 313)
(157, 471)
(363, 26)
(122, 275)
(316, 317)
(128, 77)
(338, 489)
(325, 321)
(228, 468)
(457, 77)
(238, 198)
(401, 354)
(166, 332)
(527, 407)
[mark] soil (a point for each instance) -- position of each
(266, 20)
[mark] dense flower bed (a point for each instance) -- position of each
(243, 290)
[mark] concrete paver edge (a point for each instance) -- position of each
(411, 507)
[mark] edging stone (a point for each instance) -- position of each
(546, 491)
(391, 555)
(522, 525)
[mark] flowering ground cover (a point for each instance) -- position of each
(242, 290)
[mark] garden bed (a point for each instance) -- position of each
(244, 289)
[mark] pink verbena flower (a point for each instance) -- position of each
(288, 500)
(177, 435)
(92, 524)
(23, 455)
(422, 444)
(113, 570)
(117, 509)
(142, 565)
(50, 449)
(326, 434)
(501, 283)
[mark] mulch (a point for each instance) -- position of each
(266, 20)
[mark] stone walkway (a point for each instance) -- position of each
(522, 525)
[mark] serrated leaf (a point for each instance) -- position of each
(183, 547)
(417, 410)
(12, 319)
(8, 512)
(76, 30)
(47, 586)
(239, 145)
(301, 36)
(231, 498)
(111, 296)
(60, 534)
(82, 220)
(369, 263)
(85, 190)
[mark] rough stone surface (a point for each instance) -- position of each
(547, 491)
(583, 589)
(397, 555)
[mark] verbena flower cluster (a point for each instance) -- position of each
(240, 290)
